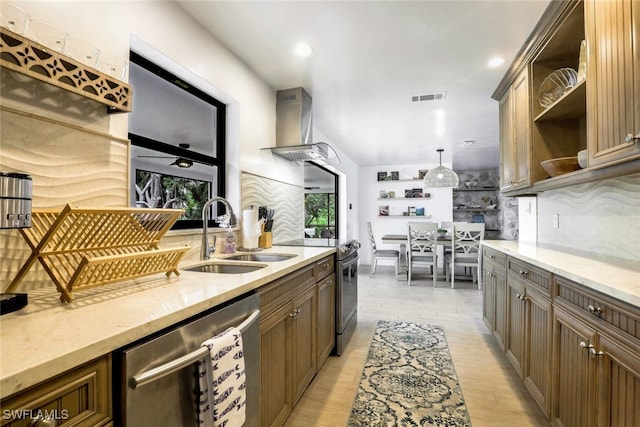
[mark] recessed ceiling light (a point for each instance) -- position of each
(303, 50)
(495, 62)
(468, 142)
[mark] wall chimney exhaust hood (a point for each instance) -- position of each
(294, 125)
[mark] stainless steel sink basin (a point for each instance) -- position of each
(225, 268)
(262, 257)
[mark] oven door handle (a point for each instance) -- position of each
(158, 372)
(347, 262)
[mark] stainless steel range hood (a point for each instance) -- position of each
(294, 129)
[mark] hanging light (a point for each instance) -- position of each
(441, 176)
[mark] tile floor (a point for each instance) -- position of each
(494, 394)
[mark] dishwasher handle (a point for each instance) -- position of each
(158, 372)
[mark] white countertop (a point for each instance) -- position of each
(611, 276)
(48, 337)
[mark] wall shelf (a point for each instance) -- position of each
(32, 59)
(404, 198)
(406, 216)
(455, 190)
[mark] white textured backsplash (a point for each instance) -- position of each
(601, 217)
(286, 199)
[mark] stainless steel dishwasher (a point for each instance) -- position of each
(158, 381)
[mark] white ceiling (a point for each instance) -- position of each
(370, 57)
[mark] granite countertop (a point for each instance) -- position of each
(615, 277)
(48, 337)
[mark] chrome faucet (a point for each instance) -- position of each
(206, 250)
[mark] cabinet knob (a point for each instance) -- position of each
(585, 346)
(294, 313)
(630, 137)
(492, 256)
(596, 311)
(523, 272)
(42, 422)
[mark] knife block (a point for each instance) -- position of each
(266, 239)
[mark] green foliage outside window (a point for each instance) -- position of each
(320, 212)
(155, 190)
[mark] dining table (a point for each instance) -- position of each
(403, 241)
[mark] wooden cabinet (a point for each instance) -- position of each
(297, 335)
(326, 335)
(515, 134)
(80, 397)
(600, 113)
(613, 86)
(577, 350)
(607, 338)
(529, 325)
(495, 293)
(574, 386)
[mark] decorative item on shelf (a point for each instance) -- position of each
(441, 176)
(582, 158)
(383, 210)
(395, 175)
(582, 62)
(392, 194)
(419, 211)
(382, 176)
(560, 166)
(411, 210)
(555, 85)
(408, 193)
(422, 173)
(442, 233)
(416, 192)
(384, 194)
(479, 218)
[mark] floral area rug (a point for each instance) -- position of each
(408, 380)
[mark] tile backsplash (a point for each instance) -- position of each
(601, 217)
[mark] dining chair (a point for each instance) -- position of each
(423, 241)
(465, 250)
(376, 253)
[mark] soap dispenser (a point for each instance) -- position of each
(230, 242)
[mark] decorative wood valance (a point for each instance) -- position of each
(30, 58)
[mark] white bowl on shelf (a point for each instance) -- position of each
(555, 85)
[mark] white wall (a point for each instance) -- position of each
(439, 206)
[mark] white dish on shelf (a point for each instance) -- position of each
(555, 85)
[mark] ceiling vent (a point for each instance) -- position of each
(438, 96)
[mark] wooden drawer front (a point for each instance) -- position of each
(494, 256)
(81, 396)
(284, 289)
(323, 267)
(530, 275)
(598, 307)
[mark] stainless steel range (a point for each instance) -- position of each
(346, 284)
(346, 293)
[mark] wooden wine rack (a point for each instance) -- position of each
(81, 248)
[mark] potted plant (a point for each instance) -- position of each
(442, 232)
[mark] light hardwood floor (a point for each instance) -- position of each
(494, 394)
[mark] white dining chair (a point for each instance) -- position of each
(423, 241)
(377, 254)
(465, 250)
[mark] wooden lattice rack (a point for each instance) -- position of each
(81, 248)
(28, 57)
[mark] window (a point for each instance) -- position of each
(320, 215)
(177, 133)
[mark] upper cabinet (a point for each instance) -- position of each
(614, 80)
(594, 46)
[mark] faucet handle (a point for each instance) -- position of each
(212, 245)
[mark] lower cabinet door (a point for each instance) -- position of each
(515, 324)
(574, 373)
(275, 369)
(303, 341)
(537, 369)
(488, 297)
(326, 294)
(618, 384)
(500, 330)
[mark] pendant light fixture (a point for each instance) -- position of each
(441, 176)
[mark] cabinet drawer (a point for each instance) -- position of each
(81, 396)
(282, 290)
(599, 308)
(494, 256)
(530, 275)
(323, 267)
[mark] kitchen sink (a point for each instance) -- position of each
(225, 268)
(262, 257)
